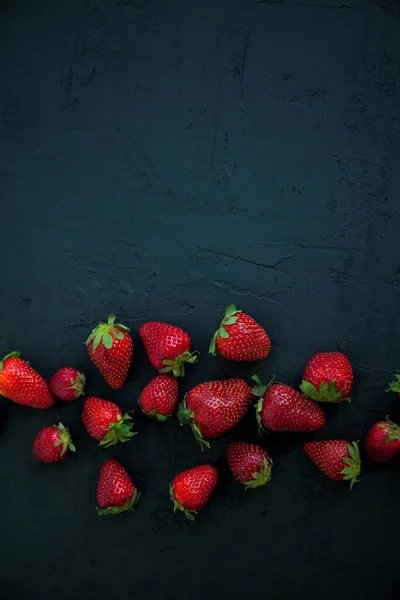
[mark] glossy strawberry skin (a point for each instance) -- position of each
(383, 441)
(22, 384)
(68, 384)
(250, 464)
(167, 346)
(191, 489)
(285, 409)
(115, 490)
(333, 369)
(160, 397)
(333, 456)
(105, 422)
(52, 444)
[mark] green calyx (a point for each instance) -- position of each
(230, 318)
(78, 384)
(64, 439)
(259, 391)
(177, 366)
(392, 430)
(130, 504)
(353, 464)
(394, 386)
(14, 354)
(153, 414)
(119, 432)
(260, 477)
(186, 416)
(327, 392)
(104, 333)
(189, 514)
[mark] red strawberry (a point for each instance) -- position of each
(21, 383)
(160, 397)
(394, 386)
(328, 377)
(383, 441)
(115, 490)
(337, 459)
(191, 490)
(282, 408)
(214, 407)
(239, 337)
(68, 384)
(250, 464)
(110, 348)
(53, 444)
(105, 422)
(167, 346)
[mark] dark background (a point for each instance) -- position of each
(163, 159)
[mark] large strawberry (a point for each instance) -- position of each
(110, 348)
(168, 347)
(22, 384)
(214, 407)
(160, 397)
(282, 408)
(383, 441)
(394, 386)
(105, 422)
(115, 490)
(53, 444)
(240, 337)
(191, 490)
(337, 459)
(68, 384)
(328, 377)
(250, 464)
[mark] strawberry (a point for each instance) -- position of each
(191, 490)
(250, 464)
(110, 348)
(105, 422)
(167, 346)
(68, 384)
(22, 384)
(214, 407)
(282, 408)
(53, 444)
(383, 441)
(160, 397)
(115, 490)
(328, 377)
(337, 459)
(239, 337)
(394, 386)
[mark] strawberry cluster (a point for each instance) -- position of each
(211, 408)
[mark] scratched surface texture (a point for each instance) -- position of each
(162, 159)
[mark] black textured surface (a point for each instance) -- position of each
(163, 159)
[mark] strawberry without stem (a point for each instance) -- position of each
(53, 444)
(328, 377)
(105, 422)
(191, 490)
(115, 490)
(110, 348)
(337, 459)
(68, 384)
(383, 441)
(167, 346)
(239, 337)
(22, 384)
(250, 464)
(160, 397)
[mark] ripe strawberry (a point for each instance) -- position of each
(282, 408)
(394, 386)
(214, 407)
(68, 384)
(337, 459)
(110, 348)
(22, 384)
(105, 422)
(160, 397)
(53, 444)
(115, 490)
(191, 490)
(239, 337)
(167, 346)
(250, 464)
(328, 377)
(383, 441)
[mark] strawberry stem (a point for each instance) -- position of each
(186, 416)
(353, 464)
(189, 514)
(326, 393)
(130, 504)
(260, 477)
(119, 432)
(177, 366)
(78, 384)
(106, 332)
(64, 439)
(230, 318)
(392, 431)
(394, 386)
(14, 354)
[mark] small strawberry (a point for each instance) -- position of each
(110, 348)
(160, 397)
(53, 444)
(214, 407)
(250, 464)
(383, 441)
(115, 490)
(394, 386)
(239, 337)
(168, 347)
(337, 459)
(328, 377)
(105, 422)
(282, 408)
(68, 384)
(22, 384)
(191, 490)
